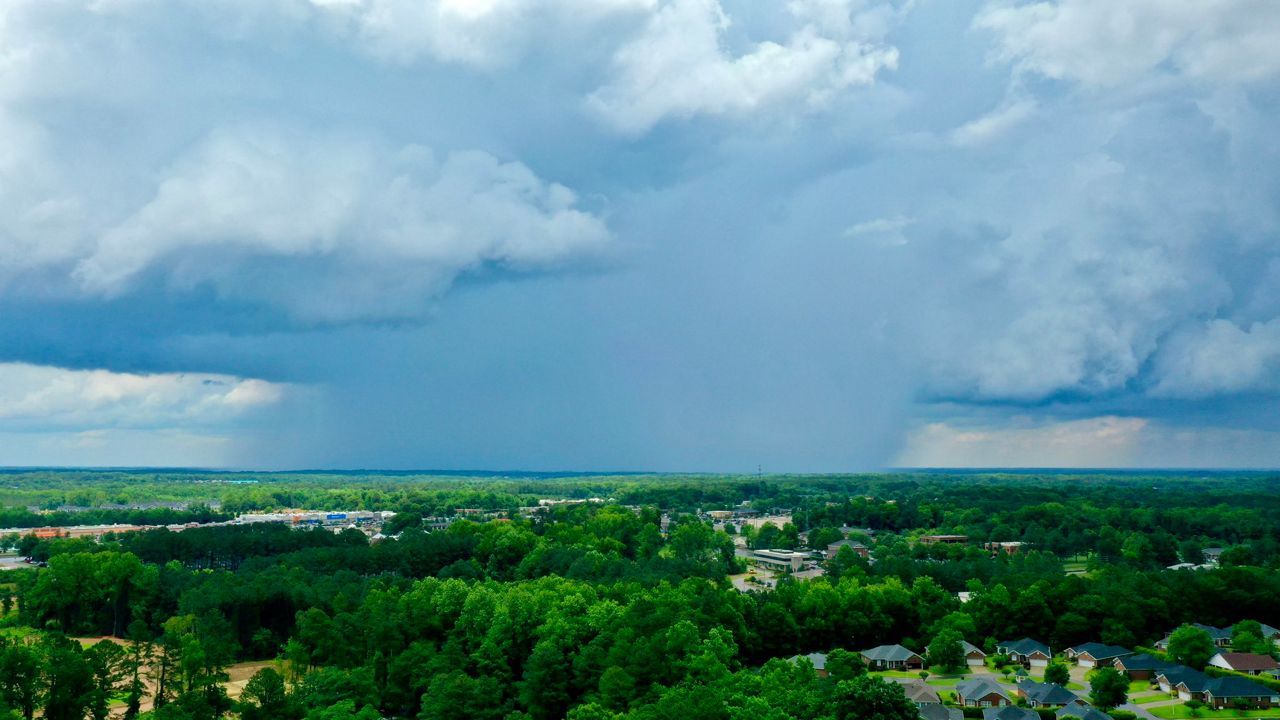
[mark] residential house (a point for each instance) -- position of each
(818, 660)
(1182, 681)
(892, 657)
(1231, 691)
(981, 692)
(1212, 555)
(1026, 652)
(1079, 710)
(1248, 663)
(861, 550)
(973, 655)
(1009, 713)
(1221, 636)
(921, 693)
(940, 712)
(1044, 694)
(1142, 666)
(1094, 655)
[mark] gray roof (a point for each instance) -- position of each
(889, 653)
(819, 660)
(971, 648)
(1268, 632)
(1143, 661)
(1046, 693)
(941, 712)
(1194, 680)
(1078, 709)
(1009, 712)
(1025, 646)
(918, 691)
(1228, 687)
(979, 687)
(1100, 651)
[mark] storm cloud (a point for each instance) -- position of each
(661, 234)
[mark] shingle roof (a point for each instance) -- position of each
(1143, 661)
(1077, 709)
(1025, 646)
(941, 712)
(889, 653)
(1225, 687)
(1193, 680)
(1244, 662)
(971, 648)
(979, 687)
(1009, 712)
(1046, 693)
(1100, 650)
(819, 660)
(918, 691)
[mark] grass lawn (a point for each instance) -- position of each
(1182, 711)
(1075, 568)
(1149, 700)
(1137, 686)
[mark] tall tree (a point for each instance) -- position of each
(1191, 646)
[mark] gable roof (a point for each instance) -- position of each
(979, 687)
(1009, 712)
(1180, 675)
(1046, 693)
(846, 543)
(819, 660)
(918, 691)
(889, 653)
(1143, 661)
(934, 711)
(1226, 687)
(1245, 662)
(1025, 646)
(1268, 632)
(1078, 709)
(1100, 651)
(970, 648)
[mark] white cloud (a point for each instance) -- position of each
(995, 123)
(1105, 43)
(679, 66)
(1219, 358)
(338, 229)
(38, 397)
(885, 231)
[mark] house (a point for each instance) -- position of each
(1026, 652)
(1248, 663)
(973, 655)
(981, 692)
(1044, 694)
(1009, 713)
(818, 660)
(1212, 555)
(892, 657)
(861, 550)
(1182, 681)
(1093, 655)
(1221, 636)
(1142, 666)
(940, 712)
(1008, 548)
(1230, 691)
(1079, 710)
(920, 693)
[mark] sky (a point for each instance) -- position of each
(669, 235)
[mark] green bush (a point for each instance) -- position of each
(1123, 715)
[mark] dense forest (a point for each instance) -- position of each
(594, 610)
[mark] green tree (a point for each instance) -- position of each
(265, 697)
(844, 665)
(870, 698)
(1246, 637)
(1191, 646)
(1056, 672)
(947, 651)
(1108, 688)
